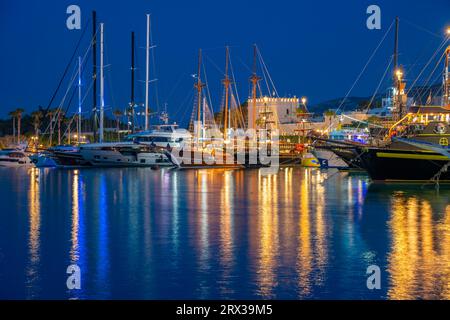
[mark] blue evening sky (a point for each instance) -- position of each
(312, 48)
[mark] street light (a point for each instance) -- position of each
(399, 74)
(304, 101)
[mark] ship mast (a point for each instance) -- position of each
(102, 85)
(199, 86)
(204, 119)
(147, 71)
(226, 82)
(254, 80)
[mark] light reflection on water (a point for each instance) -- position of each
(419, 259)
(300, 234)
(34, 209)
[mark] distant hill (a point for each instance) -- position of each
(350, 104)
(420, 94)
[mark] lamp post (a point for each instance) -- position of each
(304, 100)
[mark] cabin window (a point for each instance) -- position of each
(160, 139)
(142, 160)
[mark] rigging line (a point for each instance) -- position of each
(419, 59)
(177, 83)
(189, 97)
(378, 88)
(214, 65)
(259, 89)
(183, 102)
(428, 63)
(60, 112)
(244, 65)
(434, 69)
(429, 78)
(88, 91)
(68, 125)
(67, 68)
(234, 81)
(109, 74)
(361, 73)
(422, 28)
(71, 84)
(422, 90)
(207, 88)
(268, 73)
(154, 67)
(365, 67)
(58, 109)
(265, 78)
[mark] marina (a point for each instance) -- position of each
(220, 234)
(245, 179)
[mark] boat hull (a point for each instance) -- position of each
(386, 165)
(16, 163)
(328, 159)
(350, 156)
(69, 159)
(115, 158)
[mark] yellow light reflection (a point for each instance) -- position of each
(34, 209)
(226, 241)
(304, 261)
(312, 254)
(268, 234)
(321, 247)
(419, 262)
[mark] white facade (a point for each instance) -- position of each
(278, 110)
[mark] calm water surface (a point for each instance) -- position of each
(216, 234)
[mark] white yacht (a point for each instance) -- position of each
(14, 158)
(164, 136)
(125, 154)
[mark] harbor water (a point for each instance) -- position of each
(137, 233)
